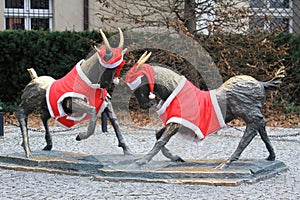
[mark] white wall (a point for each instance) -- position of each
(2, 19)
(67, 15)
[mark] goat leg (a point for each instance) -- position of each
(80, 106)
(166, 152)
(22, 118)
(45, 116)
(171, 129)
(174, 158)
(263, 134)
(249, 134)
(113, 119)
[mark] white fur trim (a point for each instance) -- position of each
(61, 110)
(134, 84)
(172, 96)
(84, 77)
(103, 106)
(217, 108)
(48, 100)
(187, 124)
(110, 66)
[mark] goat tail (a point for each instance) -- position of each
(276, 80)
(32, 73)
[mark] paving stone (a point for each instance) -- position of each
(35, 185)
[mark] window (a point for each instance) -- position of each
(205, 13)
(28, 14)
(271, 15)
(269, 3)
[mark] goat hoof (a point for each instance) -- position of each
(222, 166)
(270, 158)
(29, 155)
(47, 148)
(178, 160)
(128, 152)
(78, 138)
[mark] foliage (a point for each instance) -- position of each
(55, 53)
(259, 55)
(292, 63)
(49, 53)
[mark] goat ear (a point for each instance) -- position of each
(124, 51)
(96, 49)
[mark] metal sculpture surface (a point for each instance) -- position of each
(93, 76)
(240, 96)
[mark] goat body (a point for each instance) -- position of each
(95, 74)
(240, 96)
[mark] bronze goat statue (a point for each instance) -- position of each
(80, 95)
(192, 112)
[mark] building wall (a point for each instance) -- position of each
(67, 15)
(113, 20)
(296, 19)
(2, 19)
(94, 21)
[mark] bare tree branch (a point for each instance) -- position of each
(210, 16)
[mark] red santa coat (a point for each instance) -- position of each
(74, 84)
(195, 109)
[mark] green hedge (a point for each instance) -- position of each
(55, 53)
(49, 53)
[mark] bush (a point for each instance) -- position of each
(55, 53)
(259, 56)
(290, 89)
(49, 53)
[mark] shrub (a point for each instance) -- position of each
(49, 53)
(55, 53)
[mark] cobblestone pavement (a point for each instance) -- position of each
(34, 185)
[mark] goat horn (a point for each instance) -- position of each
(146, 58)
(143, 60)
(143, 56)
(121, 43)
(108, 49)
